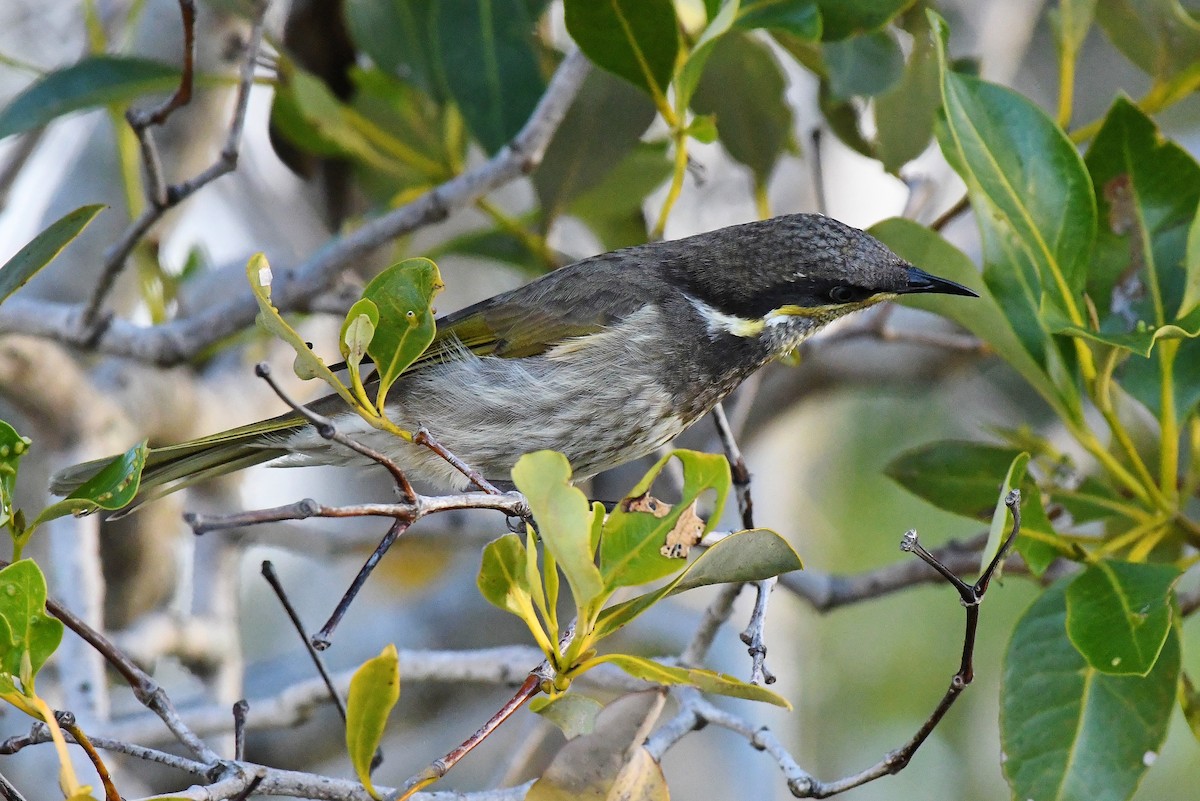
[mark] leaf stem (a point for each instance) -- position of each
(1066, 86)
(679, 137)
(1169, 421)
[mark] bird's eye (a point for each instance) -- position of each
(844, 294)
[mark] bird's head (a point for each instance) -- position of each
(799, 268)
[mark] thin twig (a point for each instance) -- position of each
(90, 328)
(10, 793)
(753, 634)
(949, 215)
(423, 437)
(440, 767)
(818, 171)
(322, 639)
(241, 708)
(268, 571)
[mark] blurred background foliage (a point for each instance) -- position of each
(701, 113)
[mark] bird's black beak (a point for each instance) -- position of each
(921, 281)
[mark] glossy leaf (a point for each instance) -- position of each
(630, 546)
(755, 123)
(1191, 290)
(42, 249)
(114, 487)
(958, 476)
(982, 316)
(704, 680)
(1024, 176)
(613, 208)
(504, 576)
(1147, 191)
(1160, 36)
(404, 295)
(601, 129)
(1068, 731)
(905, 113)
(12, 447)
(564, 519)
(750, 555)
(573, 713)
(800, 18)
(868, 64)
(1119, 614)
(845, 18)
(95, 81)
(635, 39)
(374, 690)
(33, 634)
(489, 65)
(397, 35)
(694, 65)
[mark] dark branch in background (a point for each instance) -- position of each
(161, 197)
(818, 171)
(9, 792)
(181, 340)
(22, 149)
(241, 709)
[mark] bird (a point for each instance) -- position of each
(604, 360)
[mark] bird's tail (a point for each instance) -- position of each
(174, 467)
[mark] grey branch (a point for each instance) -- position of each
(180, 340)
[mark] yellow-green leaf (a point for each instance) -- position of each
(114, 487)
(403, 294)
(704, 680)
(374, 690)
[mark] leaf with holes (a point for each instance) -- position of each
(404, 295)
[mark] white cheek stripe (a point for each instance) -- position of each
(719, 322)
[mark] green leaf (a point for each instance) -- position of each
(374, 690)
(1147, 192)
(12, 447)
(800, 18)
(600, 130)
(630, 549)
(404, 294)
(844, 18)
(1003, 146)
(33, 635)
(955, 475)
(868, 64)
(504, 577)
(489, 65)
(573, 713)
(754, 123)
(693, 65)
(398, 36)
(499, 243)
(564, 519)
(1069, 732)
(905, 113)
(95, 81)
(358, 329)
(750, 555)
(1037, 553)
(1191, 291)
(308, 364)
(1160, 36)
(1189, 702)
(998, 530)
(635, 39)
(1071, 22)
(114, 487)
(42, 249)
(1140, 341)
(985, 316)
(613, 208)
(1119, 615)
(704, 680)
